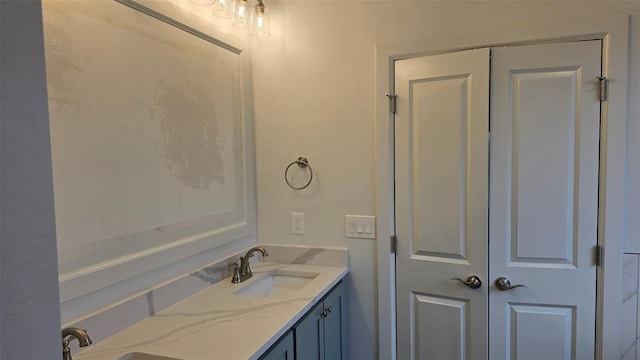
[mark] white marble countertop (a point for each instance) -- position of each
(218, 324)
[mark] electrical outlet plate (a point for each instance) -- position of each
(297, 223)
(359, 226)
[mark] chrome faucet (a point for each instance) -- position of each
(242, 270)
(71, 333)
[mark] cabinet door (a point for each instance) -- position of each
(334, 343)
(309, 336)
(282, 350)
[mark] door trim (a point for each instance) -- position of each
(614, 32)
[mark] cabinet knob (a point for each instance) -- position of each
(326, 312)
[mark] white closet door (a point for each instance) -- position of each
(441, 204)
(545, 124)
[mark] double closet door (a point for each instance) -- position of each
(496, 175)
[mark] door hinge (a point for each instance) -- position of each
(604, 88)
(394, 244)
(598, 255)
(392, 102)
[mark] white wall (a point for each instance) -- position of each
(314, 96)
(630, 304)
(29, 302)
(632, 223)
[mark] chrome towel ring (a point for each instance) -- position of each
(302, 162)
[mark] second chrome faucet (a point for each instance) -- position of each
(242, 270)
(71, 333)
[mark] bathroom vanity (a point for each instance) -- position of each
(254, 319)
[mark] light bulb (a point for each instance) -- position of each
(240, 17)
(260, 22)
(260, 25)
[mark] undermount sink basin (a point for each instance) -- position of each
(280, 283)
(143, 356)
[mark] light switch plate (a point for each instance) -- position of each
(360, 226)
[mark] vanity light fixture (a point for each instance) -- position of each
(244, 15)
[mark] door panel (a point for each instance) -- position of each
(544, 198)
(439, 121)
(541, 332)
(542, 176)
(441, 204)
(440, 342)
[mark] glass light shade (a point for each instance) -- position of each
(223, 8)
(201, 2)
(241, 14)
(260, 21)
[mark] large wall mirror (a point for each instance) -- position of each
(149, 141)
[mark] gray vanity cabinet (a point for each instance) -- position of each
(334, 321)
(319, 335)
(309, 335)
(282, 350)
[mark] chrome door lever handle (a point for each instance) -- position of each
(472, 281)
(502, 283)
